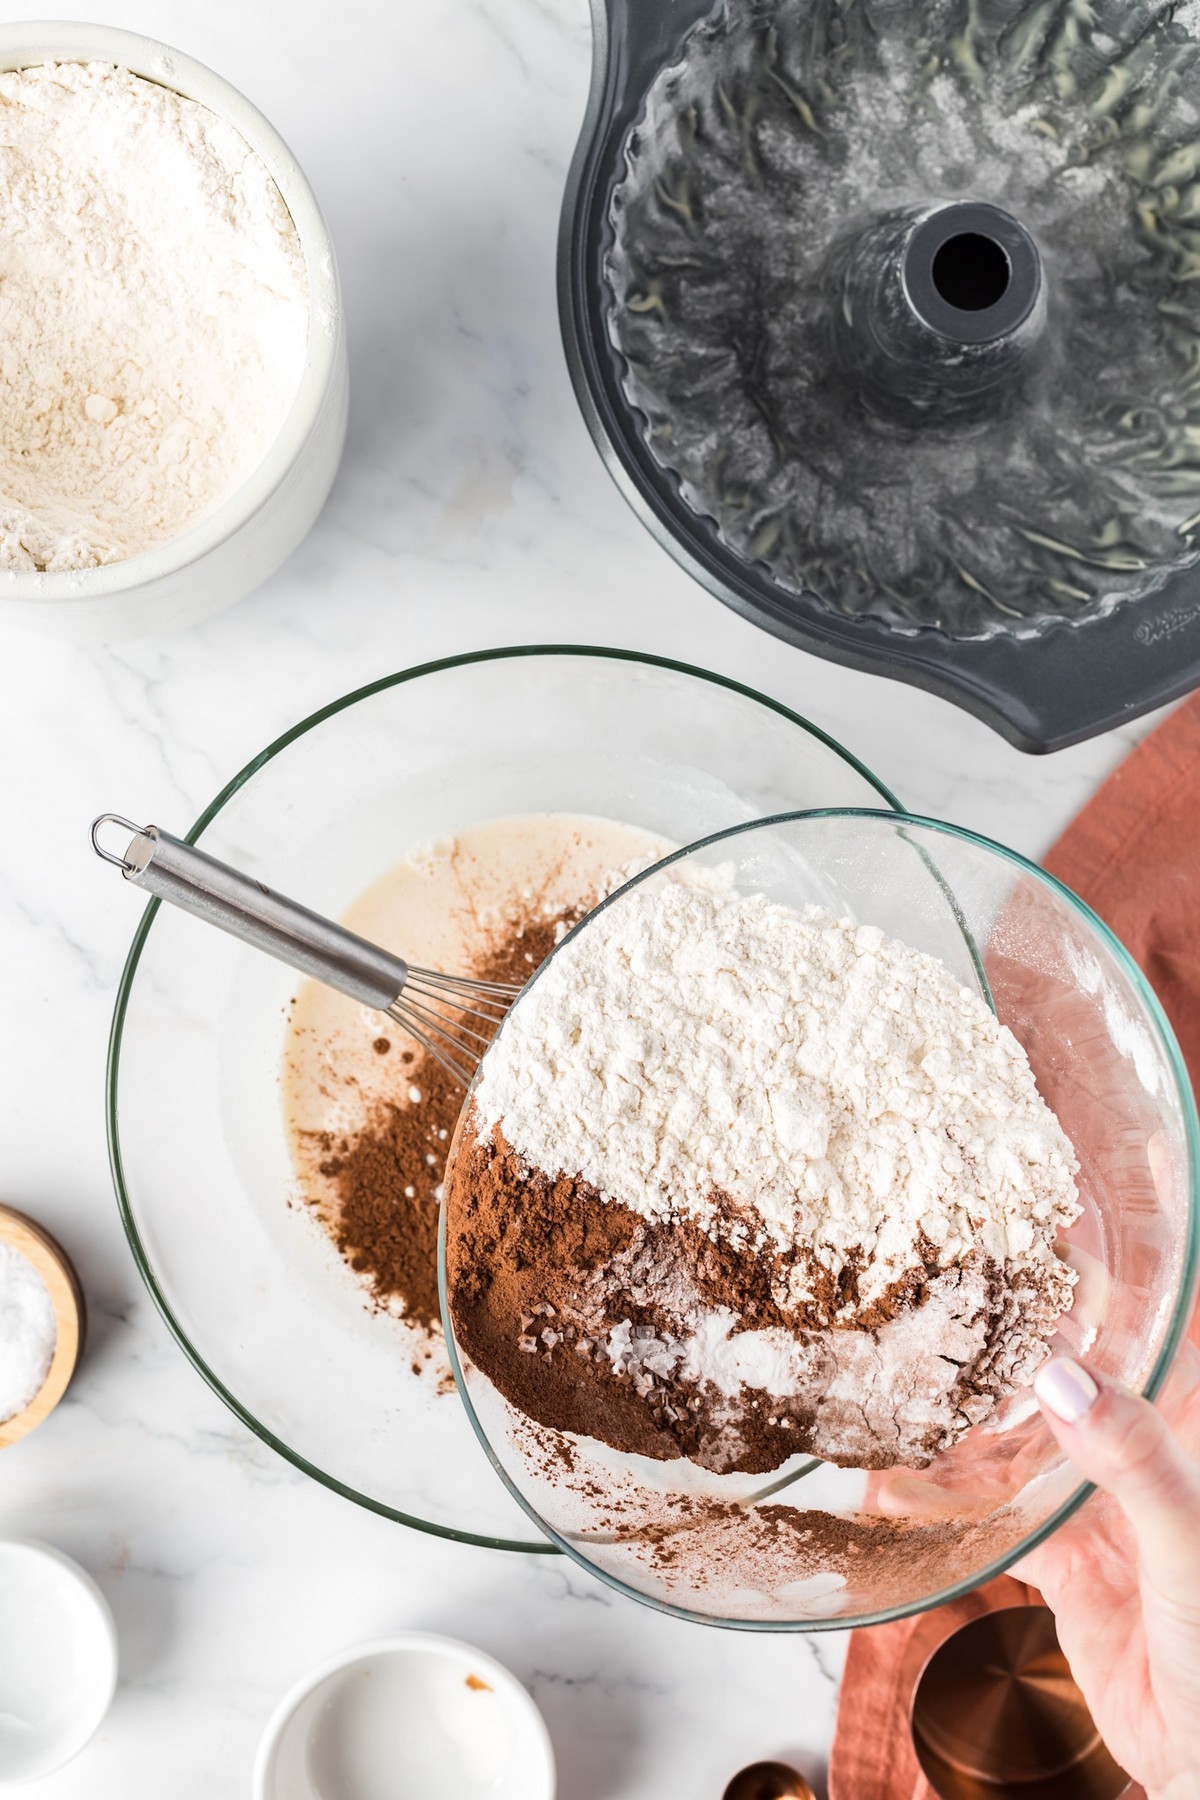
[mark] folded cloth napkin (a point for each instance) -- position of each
(1134, 855)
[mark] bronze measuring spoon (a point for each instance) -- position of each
(768, 1781)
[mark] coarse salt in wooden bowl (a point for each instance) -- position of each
(51, 1262)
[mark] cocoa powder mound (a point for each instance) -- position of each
(515, 1237)
(579, 1310)
(386, 1179)
(382, 1183)
(757, 1282)
(540, 1269)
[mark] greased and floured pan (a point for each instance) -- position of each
(885, 316)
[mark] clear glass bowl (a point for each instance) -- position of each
(1106, 1061)
(252, 1289)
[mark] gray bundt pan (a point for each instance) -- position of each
(1051, 680)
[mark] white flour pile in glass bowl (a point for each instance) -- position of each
(741, 1182)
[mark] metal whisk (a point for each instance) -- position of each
(450, 1016)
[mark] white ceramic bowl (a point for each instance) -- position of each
(405, 1718)
(58, 1660)
(251, 533)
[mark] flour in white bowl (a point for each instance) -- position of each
(153, 314)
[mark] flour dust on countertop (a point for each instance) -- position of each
(370, 1115)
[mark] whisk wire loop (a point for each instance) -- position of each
(463, 984)
(446, 1025)
(442, 1012)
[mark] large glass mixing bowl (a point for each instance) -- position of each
(252, 1289)
(816, 1546)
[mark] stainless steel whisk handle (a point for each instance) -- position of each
(247, 909)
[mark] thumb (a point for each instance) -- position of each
(1119, 1442)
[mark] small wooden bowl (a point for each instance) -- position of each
(54, 1266)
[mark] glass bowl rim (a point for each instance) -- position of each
(1181, 1309)
(331, 709)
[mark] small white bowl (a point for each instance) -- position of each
(406, 1718)
(58, 1660)
(234, 549)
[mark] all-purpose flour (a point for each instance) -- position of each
(741, 1182)
(153, 314)
(689, 1049)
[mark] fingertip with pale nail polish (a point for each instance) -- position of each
(1065, 1388)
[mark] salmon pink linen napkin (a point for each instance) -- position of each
(1134, 855)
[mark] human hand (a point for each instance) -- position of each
(1123, 1575)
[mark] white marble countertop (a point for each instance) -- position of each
(471, 510)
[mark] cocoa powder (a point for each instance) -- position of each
(385, 1221)
(720, 1553)
(380, 1187)
(515, 1237)
(883, 1562)
(571, 1304)
(540, 1269)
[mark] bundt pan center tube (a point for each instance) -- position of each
(935, 312)
(884, 315)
